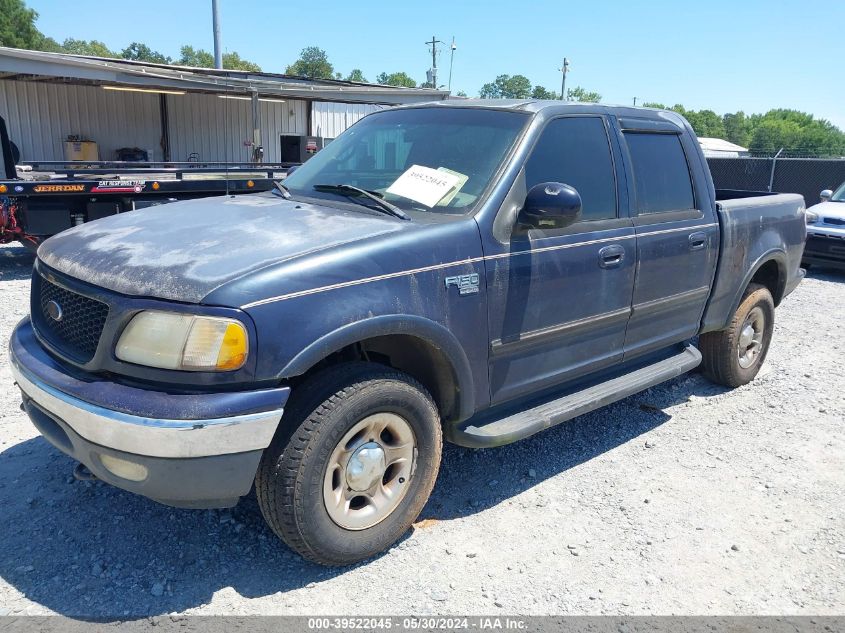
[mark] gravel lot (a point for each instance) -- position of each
(684, 499)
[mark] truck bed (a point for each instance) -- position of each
(755, 225)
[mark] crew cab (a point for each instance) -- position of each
(475, 271)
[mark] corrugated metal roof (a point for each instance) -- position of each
(24, 64)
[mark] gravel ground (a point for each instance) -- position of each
(684, 499)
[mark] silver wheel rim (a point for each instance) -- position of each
(369, 471)
(751, 338)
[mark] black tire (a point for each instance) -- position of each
(290, 478)
(720, 350)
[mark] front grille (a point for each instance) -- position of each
(834, 221)
(78, 331)
(825, 245)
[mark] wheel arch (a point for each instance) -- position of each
(772, 274)
(415, 345)
(770, 271)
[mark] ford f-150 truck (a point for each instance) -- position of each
(476, 272)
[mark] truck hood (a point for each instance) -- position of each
(184, 250)
(829, 210)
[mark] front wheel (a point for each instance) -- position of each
(733, 356)
(354, 464)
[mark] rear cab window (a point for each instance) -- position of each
(661, 173)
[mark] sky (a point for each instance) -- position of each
(723, 55)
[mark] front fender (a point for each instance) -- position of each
(420, 327)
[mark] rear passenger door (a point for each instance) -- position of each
(677, 237)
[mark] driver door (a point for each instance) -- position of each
(560, 299)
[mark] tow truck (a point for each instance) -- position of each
(39, 199)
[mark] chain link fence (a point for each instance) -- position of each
(807, 176)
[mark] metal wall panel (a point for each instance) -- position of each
(40, 116)
(330, 119)
(216, 129)
(289, 117)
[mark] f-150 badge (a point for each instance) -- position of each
(466, 284)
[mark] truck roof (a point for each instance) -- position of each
(551, 107)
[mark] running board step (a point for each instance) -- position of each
(530, 421)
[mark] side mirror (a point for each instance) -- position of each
(826, 195)
(292, 169)
(551, 205)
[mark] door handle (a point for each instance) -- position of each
(611, 256)
(697, 241)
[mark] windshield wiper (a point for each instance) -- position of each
(349, 190)
(279, 188)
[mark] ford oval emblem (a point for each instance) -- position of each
(54, 310)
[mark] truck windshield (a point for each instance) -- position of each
(426, 159)
(839, 194)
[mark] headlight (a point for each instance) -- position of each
(811, 217)
(171, 340)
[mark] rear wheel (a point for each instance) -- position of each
(354, 465)
(733, 356)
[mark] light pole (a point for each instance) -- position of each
(564, 69)
(451, 62)
(215, 18)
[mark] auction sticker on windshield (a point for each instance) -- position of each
(425, 185)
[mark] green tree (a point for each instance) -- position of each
(704, 122)
(198, 58)
(798, 133)
(461, 93)
(93, 48)
(17, 26)
(356, 75)
(396, 79)
(581, 94)
(737, 128)
(539, 92)
(49, 45)
(137, 51)
(507, 87)
(312, 63)
(233, 61)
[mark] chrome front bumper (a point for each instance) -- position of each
(188, 450)
(147, 436)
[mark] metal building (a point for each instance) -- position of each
(174, 113)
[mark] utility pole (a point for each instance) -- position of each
(635, 102)
(564, 69)
(451, 63)
(432, 74)
(215, 18)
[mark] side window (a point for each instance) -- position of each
(576, 152)
(660, 172)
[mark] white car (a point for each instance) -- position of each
(826, 231)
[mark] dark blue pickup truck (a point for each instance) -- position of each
(477, 272)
